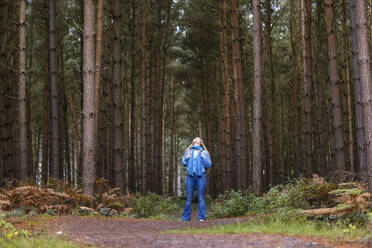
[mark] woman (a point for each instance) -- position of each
(197, 161)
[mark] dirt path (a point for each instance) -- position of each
(118, 233)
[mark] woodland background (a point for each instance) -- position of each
(278, 89)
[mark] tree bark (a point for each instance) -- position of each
(226, 163)
(357, 91)
(257, 100)
(335, 89)
(171, 154)
(346, 79)
(88, 137)
(270, 92)
(54, 153)
(97, 74)
(295, 135)
(157, 163)
(148, 102)
(117, 99)
(143, 100)
(23, 149)
(241, 122)
(308, 81)
(46, 115)
(131, 173)
(361, 28)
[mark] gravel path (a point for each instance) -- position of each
(127, 232)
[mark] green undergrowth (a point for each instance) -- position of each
(297, 227)
(13, 237)
(38, 242)
(156, 207)
(298, 194)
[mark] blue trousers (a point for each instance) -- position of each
(192, 182)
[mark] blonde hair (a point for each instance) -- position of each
(196, 140)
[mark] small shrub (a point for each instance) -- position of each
(153, 205)
(231, 204)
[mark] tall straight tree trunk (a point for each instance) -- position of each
(257, 100)
(149, 171)
(103, 132)
(241, 122)
(346, 79)
(88, 137)
(308, 81)
(171, 153)
(157, 164)
(357, 91)
(226, 164)
(164, 49)
(270, 92)
(118, 162)
(361, 28)
(67, 140)
(46, 115)
(295, 135)
(31, 169)
(65, 123)
(143, 100)
(335, 89)
(23, 153)
(131, 172)
(54, 153)
(62, 115)
(97, 73)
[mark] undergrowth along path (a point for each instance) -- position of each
(129, 232)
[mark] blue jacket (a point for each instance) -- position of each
(196, 165)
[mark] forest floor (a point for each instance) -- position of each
(131, 232)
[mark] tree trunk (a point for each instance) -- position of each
(241, 122)
(149, 169)
(131, 173)
(157, 107)
(143, 100)
(346, 79)
(65, 125)
(46, 115)
(295, 137)
(62, 114)
(23, 153)
(171, 154)
(362, 156)
(88, 137)
(54, 153)
(361, 27)
(308, 81)
(98, 56)
(226, 164)
(335, 90)
(117, 99)
(97, 81)
(270, 92)
(257, 100)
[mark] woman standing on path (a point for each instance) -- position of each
(197, 160)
